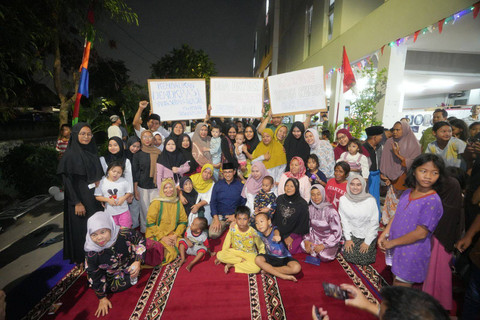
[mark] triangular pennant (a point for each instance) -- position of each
(440, 25)
(383, 47)
(476, 9)
(415, 36)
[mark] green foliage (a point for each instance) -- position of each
(185, 62)
(34, 31)
(31, 169)
(333, 128)
(363, 113)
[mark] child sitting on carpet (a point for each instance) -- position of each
(241, 245)
(195, 242)
(113, 257)
(278, 260)
(113, 191)
(265, 200)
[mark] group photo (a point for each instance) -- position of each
(338, 177)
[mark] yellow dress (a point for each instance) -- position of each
(241, 249)
(166, 216)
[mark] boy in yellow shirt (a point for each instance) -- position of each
(241, 245)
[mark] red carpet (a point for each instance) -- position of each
(208, 293)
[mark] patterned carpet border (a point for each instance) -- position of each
(356, 279)
(273, 299)
(255, 312)
(163, 290)
(55, 293)
(371, 275)
(142, 301)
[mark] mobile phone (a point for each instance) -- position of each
(317, 313)
(335, 291)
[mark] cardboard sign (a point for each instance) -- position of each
(178, 99)
(236, 97)
(297, 92)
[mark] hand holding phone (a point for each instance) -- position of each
(335, 291)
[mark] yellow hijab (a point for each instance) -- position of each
(163, 197)
(200, 185)
(275, 148)
(276, 131)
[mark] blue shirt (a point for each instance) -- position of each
(226, 197)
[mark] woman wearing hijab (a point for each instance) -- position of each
(166, 220)
(297, 171)
(295, 144)
(177, 131)
(145, 175)
(171, 163)
(133, 146)
(191, 195)
(116, 152)
(203, 184)
(291, 217)
(254, 184)
(201, 144)
(80, 169)
(397, 156)
(323, 150)
(186, 149)
(281, 133)
(272, 154)
(228, 146)
(323, 240)
(343, 137)
(251, 142)
(113, 258)
(359, 215)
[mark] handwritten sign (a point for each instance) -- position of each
(178, 99)
(236, 97)
(297, 92)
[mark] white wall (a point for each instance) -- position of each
(424, 102)
(474, 97)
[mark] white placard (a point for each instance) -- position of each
(178, 99)
(297, 92)
(236, 97)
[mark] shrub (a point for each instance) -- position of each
(31, 169)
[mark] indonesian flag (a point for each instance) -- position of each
(348, 77)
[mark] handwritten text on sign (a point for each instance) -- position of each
(183, 99)
(297, 92)
(236, 97)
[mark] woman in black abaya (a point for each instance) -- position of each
(80, 169)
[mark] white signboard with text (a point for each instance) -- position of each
(178, 99)
(297, 92)
(236, 97)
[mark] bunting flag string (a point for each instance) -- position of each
(359, 65)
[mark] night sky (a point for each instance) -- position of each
(224, 29)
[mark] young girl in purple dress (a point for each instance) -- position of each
(419, 209)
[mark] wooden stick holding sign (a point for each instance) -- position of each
(236, 97)
(178, 99)
(297, 92)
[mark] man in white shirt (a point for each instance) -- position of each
(153, 121)
(114, 130)
(474, 117)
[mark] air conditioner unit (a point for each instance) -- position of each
(458, 94)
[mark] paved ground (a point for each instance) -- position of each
(19, 251)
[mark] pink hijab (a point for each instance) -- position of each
(390, 165)
(254, 185)
(339, 149)
(301, 172)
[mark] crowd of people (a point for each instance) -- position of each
(276, 189)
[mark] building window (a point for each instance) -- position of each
(331, 8)
(308, 29)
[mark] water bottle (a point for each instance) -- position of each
(388, 255)
(133, 281)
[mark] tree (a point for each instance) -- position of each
(52, 28)
(363, 113)
(185, 62)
